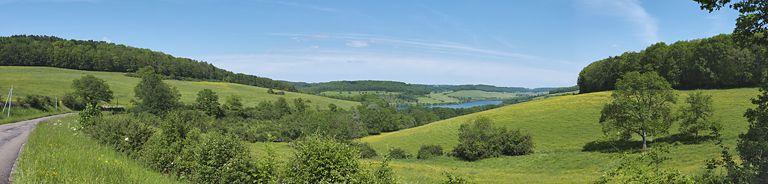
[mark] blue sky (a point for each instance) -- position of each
(504, 43)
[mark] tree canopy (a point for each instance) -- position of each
(23, 50)
(716, 62)
(641, 105)
(92, 90)
(153, 95)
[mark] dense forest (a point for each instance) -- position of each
(401, 87)
(716, 62)
(24, 50)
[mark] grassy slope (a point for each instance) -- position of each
(57, 154)
(55, 81)
(560, 127)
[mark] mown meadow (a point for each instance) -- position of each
(49, 81)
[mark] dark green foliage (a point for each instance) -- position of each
(323, 160)
(751, 24)
(208, 102)
(300, 105)
(86, 116)
(452, 178)
(715, 62)
(429, 151)
(73, 102)
(479, 139)
(223, 159)
(514, 142)
(92, 90)
(696, 115)
(366, 151)
(102, 56)
(641, 105)
(40, 102)
(126, 133)
(153, 95)
(398, 153)
(752, 144)
(564, 89)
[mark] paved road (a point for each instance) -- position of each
(12, 138)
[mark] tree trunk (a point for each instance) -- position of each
(644, 142)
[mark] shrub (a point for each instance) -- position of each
(366, 151)
(223, 159)
(126, 133)
(73, 102)
(479, 139)
(322, 160)
(37, 102)
(87, 116)
(451, 178)
(428, 151)
(514, 143)
(397, 153)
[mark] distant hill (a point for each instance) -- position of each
(52, 82)
(401, 87)
(92, 55)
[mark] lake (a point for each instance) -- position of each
(469, 104)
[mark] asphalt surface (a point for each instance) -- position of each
(12, 138)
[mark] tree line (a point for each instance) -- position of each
(30, 50)
(404, 88)
(716, 62)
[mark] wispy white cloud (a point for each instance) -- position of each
(345, 65)
(357, 43)
(445, 47)
(632, 11)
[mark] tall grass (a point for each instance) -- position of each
(57, 153)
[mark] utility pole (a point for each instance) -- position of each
(10, 95)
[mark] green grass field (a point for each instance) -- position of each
(55, 82)
(56, 153)
(560, 127)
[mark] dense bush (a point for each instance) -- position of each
(716, 62)
(223, 159)
(125, 132)
(398, 153)
(451, 178)
(429, 151)
(72, 101)
(366, 151)
(37, 102)
(323, 160)
(479, 139)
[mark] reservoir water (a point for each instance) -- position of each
(469, 104)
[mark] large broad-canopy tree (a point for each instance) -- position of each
(642, 105)
(751, 28)
(92, 90)
(752, 22)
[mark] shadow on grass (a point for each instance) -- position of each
(617, 146)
